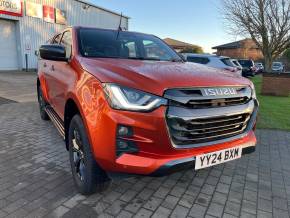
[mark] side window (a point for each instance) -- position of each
(132, 49)
(66, 41)
(227, 62)
(198, 60)
(56, 39)
(152, 50)
(128, 49)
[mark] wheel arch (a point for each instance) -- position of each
(71, 109)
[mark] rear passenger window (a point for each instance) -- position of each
(198, 60)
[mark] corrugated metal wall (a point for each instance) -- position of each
(34, 32)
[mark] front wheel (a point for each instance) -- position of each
(87, 174)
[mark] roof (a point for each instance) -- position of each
(233, 45)
(176, 43)
(104, 9)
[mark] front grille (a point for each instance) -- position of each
(210, 103)
(195, 131)
(194, 118)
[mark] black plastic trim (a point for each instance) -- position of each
(182, 164)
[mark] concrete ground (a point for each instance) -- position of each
(35, 178)
(20, 87)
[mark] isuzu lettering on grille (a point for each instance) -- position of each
(219, 91)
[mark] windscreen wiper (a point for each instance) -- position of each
(176, 60)
(144, 59)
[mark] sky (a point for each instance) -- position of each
(194, 21)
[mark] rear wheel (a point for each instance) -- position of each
(42, 105)
(87, 174)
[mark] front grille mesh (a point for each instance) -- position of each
(184, 132)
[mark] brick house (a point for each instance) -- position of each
(245, 48)
(178, 45)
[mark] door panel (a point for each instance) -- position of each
(61, 76)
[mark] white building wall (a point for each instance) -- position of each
(32, 32)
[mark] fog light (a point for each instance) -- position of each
(124, 131)
(122, 145)
(125, 146)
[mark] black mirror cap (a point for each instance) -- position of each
(53, 52)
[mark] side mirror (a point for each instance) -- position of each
(53, 52)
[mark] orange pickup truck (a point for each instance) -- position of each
(126, 102)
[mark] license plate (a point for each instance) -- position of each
(218, 157)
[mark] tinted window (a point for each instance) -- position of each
(111, 44)
(132, 48)
(236, 63)
(246, 63)
(277, 64)
(66, 41)
(227, 62)
(153, 50)
(198, 60)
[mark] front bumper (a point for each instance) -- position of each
(277, 70)
(158, 166)
(156, 151)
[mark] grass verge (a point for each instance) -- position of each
(274, 111)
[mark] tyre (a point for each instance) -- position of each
(42, 105)
(87, 174)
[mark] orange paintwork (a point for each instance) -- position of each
(81, 80)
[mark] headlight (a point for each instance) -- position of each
(254, 95)
(122, 98)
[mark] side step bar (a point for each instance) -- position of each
(56, 120)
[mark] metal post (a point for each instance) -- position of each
(26, 62)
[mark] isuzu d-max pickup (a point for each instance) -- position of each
(126, 102)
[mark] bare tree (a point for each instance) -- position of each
(266, 21)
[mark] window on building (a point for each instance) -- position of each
(66, 41)
(198, 60)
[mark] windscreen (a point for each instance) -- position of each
(113, 44)
(277, 64)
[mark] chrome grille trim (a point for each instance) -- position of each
(185, 95)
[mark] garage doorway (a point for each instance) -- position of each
(8, 47)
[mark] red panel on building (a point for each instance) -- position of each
(11, 7)
(48, 14)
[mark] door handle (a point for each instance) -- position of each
(44, 65)
(52, 68)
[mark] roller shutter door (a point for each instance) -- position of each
(8, 51)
